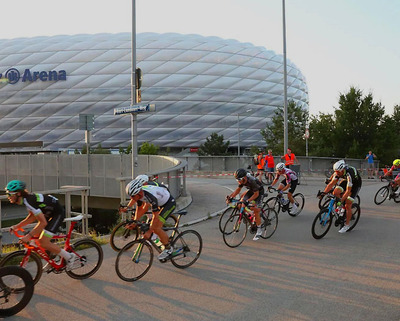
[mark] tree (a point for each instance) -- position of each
(214, 146)
(274, 131)
(100, 150)
(322, 128)
(148, 149)
(356, 124)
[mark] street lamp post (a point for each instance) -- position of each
(238, 129)
(133, 92)
(285, 109)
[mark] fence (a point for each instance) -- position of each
(101, 172)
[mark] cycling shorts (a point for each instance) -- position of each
(355, 189)
(167, 209)
(53, 223)
(293, 185)
(257, 201)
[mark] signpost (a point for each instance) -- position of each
(134, 109)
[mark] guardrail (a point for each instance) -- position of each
(68, 191)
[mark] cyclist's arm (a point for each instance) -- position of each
(27, 220)
(275, 179)
(141, 210)
(235, 192)
(331, 184)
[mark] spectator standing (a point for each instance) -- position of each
(290, 158)
(269, 165)
(260, 165)
(371, 166)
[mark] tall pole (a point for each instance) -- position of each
(285, 109)
(238, 140)
(133, 92)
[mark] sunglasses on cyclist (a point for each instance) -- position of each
(11, 193)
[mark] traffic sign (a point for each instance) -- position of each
(307, 134)
(86, 122)
(134, 109)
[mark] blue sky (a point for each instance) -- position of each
(335, 43)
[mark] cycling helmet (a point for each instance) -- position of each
(143, 178)
(15, 186)
(134, 187)
(339, 165)
(396, 162)
(280, 166)
(240, 173)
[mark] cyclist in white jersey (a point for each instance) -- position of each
(162, 205)
(289, 183)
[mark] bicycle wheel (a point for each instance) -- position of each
(273, 202)
(381, 195)
(355, 215)
(298, 198)
(323, 202)
(120, 236)
(33, 266)
(225, 216)
(12, 300)
(134, 260)
(269, 223)
(91, 257)
(321, 224)
(187, 249)
(235, 230)
(396, 195)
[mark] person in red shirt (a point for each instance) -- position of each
(290, 158)
(269, 165)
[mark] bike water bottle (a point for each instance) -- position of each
(159, 244)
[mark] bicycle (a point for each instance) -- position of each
(323, 221)
(135, 258)
(324, 200)
(237, 225)
(16, 289)
(266, 178)
(387, 192)
(90, 256)
(280, 203)
(126, 231)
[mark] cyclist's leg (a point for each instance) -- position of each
(159, 219)
(349, 202)
(292, 188)
(47, 234)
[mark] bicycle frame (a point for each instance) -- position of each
(33, 246)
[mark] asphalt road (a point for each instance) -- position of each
(292, 276)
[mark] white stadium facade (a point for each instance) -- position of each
(199, 85)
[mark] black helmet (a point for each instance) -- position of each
(240, 173)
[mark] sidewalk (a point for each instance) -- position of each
(203, 201)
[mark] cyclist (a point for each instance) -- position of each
(348, 182)
(47, 211)
(253, 195)
(289, 183)
(396, 165)
(162, 204)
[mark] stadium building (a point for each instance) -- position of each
(199, 85)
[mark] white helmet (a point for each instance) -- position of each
(143, 178)
(339, 165)
(134, 187)
(280, 166)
